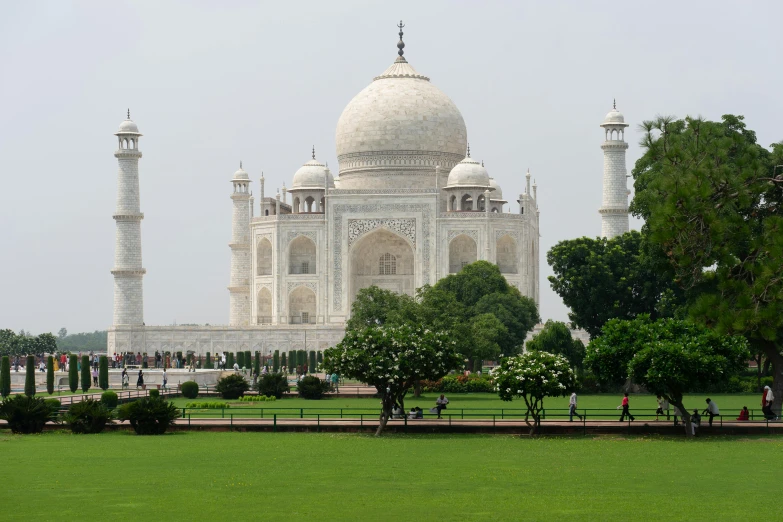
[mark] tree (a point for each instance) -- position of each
(241, 359)
(73, 373)
(669, 357)
(103, 373)
(257, 364)
(711, 198)
(5, 376)
(29, 376)
(50, 375)
(208, 364)
(392, 359)
(556, 338)
(276, 361)
(45, 343)
(311, 362)
(86, 381)
(9, 343)
(284, 362)
(601, 279)
(63, 333)
(533, 376)
(249, 360)
(376, 306)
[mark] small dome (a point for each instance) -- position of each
(129, 126)
(614, 116)
(311, 175)
(468, 173)
(241, 174)
(496, 192)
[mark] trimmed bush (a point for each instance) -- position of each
(257, 398)
(273, 385)
(311, 387)
(232, 386)
(154, 393)
(208, 405)
(241, 359)
(320, 359)
(50, 375)
(29, 376)
(276, 361)
(459, 384)
(248, 360)
(103, 373)
(26, 414)
(87, 416)
(257, 364)
(149, 416)
(86, 379)
(73, 373)
(208, 364)
(301, 359)
(109, 399)
(283, 361)
(230, 360)
(189, 389)
(5, 376)
(311, 367)
(54, 405)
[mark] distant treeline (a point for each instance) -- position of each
(83, 342)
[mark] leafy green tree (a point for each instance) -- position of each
(86, 380)
(669, 357)
(533, 376)
(392, 359)
(711, 199)
(376, 306)
(29, 376)
(5, 376)
(103, 373)
(62, 333)
(50, 375)
(83, 342)
(9, 343)
(45, 343)
(556, 338)
(73, 373)
(619, 278)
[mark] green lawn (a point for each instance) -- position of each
(485, 404)
(263, 476)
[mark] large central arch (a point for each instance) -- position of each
(384, 259)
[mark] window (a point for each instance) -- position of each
(305, 317)
(464, 264)
(387, 265)
(305, 267)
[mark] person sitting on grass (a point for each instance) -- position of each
(744, 414)
(412, 414)
(396, 411)
(419, 413)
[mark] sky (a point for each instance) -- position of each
(213, 83)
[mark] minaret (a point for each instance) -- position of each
(614, 208)
(239, 287)
(127, 271)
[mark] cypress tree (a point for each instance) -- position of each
(230, 360)
(283, 361)
(276, 361)
(301, 360)
(85, 373)
(312, 361)
(50, 375)
(5, 376)
(241, 359)
(320, 357)
(73, 373)
(248, 359)
(144, 363)
(208, 364)
(257, 364)
(29, 376)
(103, 372)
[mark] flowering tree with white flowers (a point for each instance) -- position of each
(393, 358)
(533, 376)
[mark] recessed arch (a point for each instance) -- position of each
(301, 256)
(264, 306)
(466, 203)
(264, 257)
(384, 259)
(506, 254)
(302, 306)
(462, 251)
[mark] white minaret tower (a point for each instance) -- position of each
(127, 271)
(614, 208)
(239, 287)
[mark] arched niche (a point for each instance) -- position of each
(301, 256)
(462, 251)
(301, 306)
(264, 257)
(384, 259)
(506, 255)
(466, 203)
(264, 306)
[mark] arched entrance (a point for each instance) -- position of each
(384, 259)
(462, 251)
(301, 306)
(506, 254)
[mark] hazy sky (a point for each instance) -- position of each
(213, 83)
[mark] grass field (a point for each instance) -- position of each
(488, 403)
(260, 476)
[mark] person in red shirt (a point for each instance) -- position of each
(744, 414)
(625, 409)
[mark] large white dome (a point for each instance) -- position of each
(397, 130)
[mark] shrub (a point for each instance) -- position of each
(320, 358)
(154, 393)
(50, 375)
(232, 386)
(311, 366)
(257, 398)
(189, 389)
(311, 387)
(230, 360)
(276, 361)
(257, 364)
(249, 360)
(29, 376)
(25, 414)
(73, 373)
(208, 405)
(149, 416)
(86, 379)
(5, 377)
(273, 384)
(109, 399)
(103, 373)
(283, 361)
(459, 384)
(87, 416)
(208, 364)
(54, 405)
(241, 359)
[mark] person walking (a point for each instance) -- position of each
(440, 404)
(572, 408)
(140, 380)
(711, 410)
(766, 403)
(95, 377)
(125, 378)
(663, 407)
(625, 412)
(336, 381)
(165, 379)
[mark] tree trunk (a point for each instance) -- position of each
(777, 380)
(686, 417)
(758, 358)
(386, 411)
(416, 389)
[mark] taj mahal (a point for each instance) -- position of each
(408, 206)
